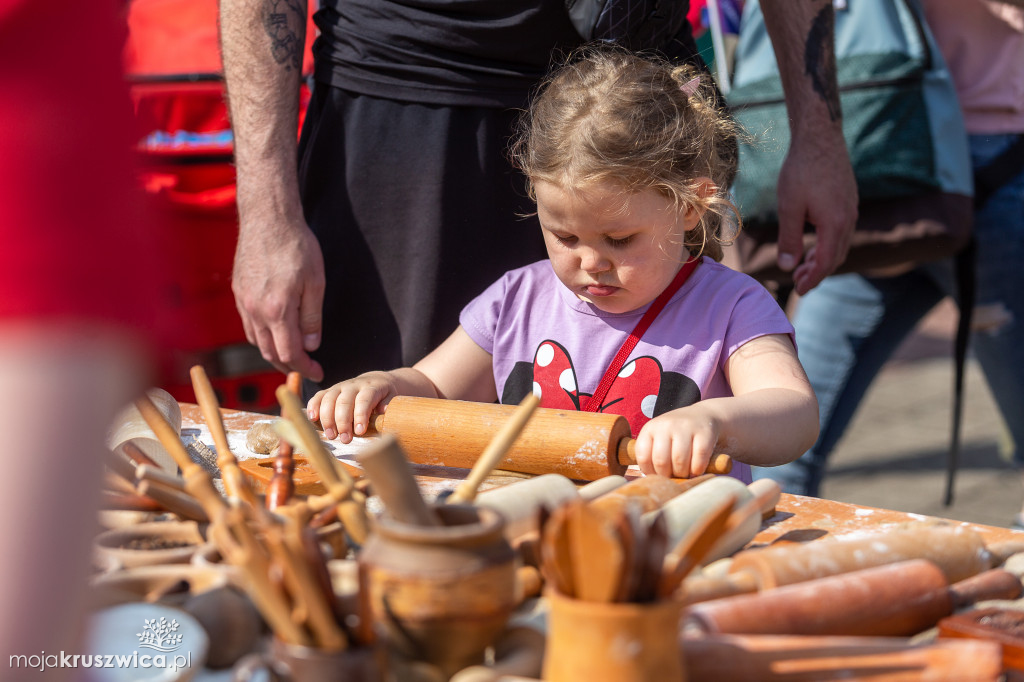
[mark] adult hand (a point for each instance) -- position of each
(278, 283)
(816, 186)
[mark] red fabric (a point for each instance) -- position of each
(170, 37)
(596, 400)
(74, 243)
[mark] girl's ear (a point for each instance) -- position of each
(705, 187)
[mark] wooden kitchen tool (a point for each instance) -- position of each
(899, 599)
(234, 483)
(393, 481)
(693, 547)
(281, 487)
(579, 445)
(813, 658)
(957, 550)
(237, 541)
(351, 502)
(588, 640)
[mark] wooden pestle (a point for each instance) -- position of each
(129, 502)
(579, 445)
(899, 599)
(388, 469)
(957, 550)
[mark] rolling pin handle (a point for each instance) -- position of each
(719, 464)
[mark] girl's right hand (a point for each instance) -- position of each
(344, 410)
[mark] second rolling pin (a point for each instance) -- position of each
(584, 446)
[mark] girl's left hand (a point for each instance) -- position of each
(678, 444)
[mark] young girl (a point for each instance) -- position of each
(627, 159)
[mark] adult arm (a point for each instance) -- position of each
(816, 183)
(278, 277)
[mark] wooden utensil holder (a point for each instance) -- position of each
(612, 641)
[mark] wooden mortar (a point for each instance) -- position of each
(442, 593)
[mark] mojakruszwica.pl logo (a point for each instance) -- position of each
(158, 642)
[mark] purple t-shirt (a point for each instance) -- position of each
(542, 337)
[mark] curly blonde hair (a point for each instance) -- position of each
(640, 121)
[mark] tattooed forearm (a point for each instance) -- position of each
(820, 61)
(284, 23)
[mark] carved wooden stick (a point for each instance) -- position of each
(197, 481)
(237, 544)
(176, 501)
(234, 482)
(282, 487)
(234, 538)
(159, 476)
(129, 502)
(351, 510)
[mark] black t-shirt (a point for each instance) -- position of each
(449, 52)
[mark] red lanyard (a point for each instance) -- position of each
(613, 370)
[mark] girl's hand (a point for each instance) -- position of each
(344, 409)
(678, 444)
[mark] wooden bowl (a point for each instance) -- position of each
(148, 544)
(170, 584)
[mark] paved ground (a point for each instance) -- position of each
(894, 453)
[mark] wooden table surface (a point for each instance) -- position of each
(797, 518)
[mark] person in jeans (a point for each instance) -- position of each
(849, 326)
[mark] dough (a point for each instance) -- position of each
(262, 438)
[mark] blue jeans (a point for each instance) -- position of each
(848, 326)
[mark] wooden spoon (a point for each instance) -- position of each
(555, 561)
(654, 560)
(598, 559)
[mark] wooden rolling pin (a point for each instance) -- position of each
(898, 599)
(583, 446)
(741, 658)
(957, 550)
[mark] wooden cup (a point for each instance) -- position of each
(612, 641)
